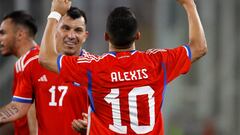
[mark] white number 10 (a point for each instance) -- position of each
(52, 90)
(112, 98)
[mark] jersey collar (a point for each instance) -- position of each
(122, 53)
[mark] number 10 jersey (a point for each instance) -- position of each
(126, 89)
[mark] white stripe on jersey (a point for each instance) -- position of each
(186, 50)
(111, 54)
(134, 52)
(20, 65)
(22, 61)
(16, 67)
(60, 62)
(29, 60)
(153, 51)
(89, 58)
(22, 98)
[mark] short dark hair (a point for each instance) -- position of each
(75, 13)
(22, 18)
(122, 27)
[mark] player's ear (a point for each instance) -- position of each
(85, 36)
(19, 34)
(138, 36)
(106, 36)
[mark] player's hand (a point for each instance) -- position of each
(80, 125)
(61, 6)
(182, 2)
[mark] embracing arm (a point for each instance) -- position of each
(197, 40)
(32, 120)
(48, 55)
(13, 111)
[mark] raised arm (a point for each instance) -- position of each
(48, 54)
(197, 40)
(13, 111)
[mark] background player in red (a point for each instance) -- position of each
(57, 103)
(125, 86)
(17, 33)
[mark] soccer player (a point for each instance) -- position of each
(17, 34)
(58, 103)
(125, 86)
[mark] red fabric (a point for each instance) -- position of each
(126, 89)
(21, 125)
(57, 102)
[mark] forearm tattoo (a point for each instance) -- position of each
(7, 112)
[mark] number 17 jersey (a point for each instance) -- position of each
(126, 89)
(57, 103)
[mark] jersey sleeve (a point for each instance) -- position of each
(17, 73)
(71, 68)
(24, 90)
(174, 62)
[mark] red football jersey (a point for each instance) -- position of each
(126, 89)
(21, 125)
(57, 102)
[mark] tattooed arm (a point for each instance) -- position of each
(13, 111)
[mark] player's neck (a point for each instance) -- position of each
(23, 47)
(113, 49)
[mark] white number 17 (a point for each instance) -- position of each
(52, 90)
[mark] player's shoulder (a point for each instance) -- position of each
(26, 59)
(178, 48)
(85, 53)
(88, 57)
(169, 52)
(154, 51)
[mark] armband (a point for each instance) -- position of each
(55, 15)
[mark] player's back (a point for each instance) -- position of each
(126, 89)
